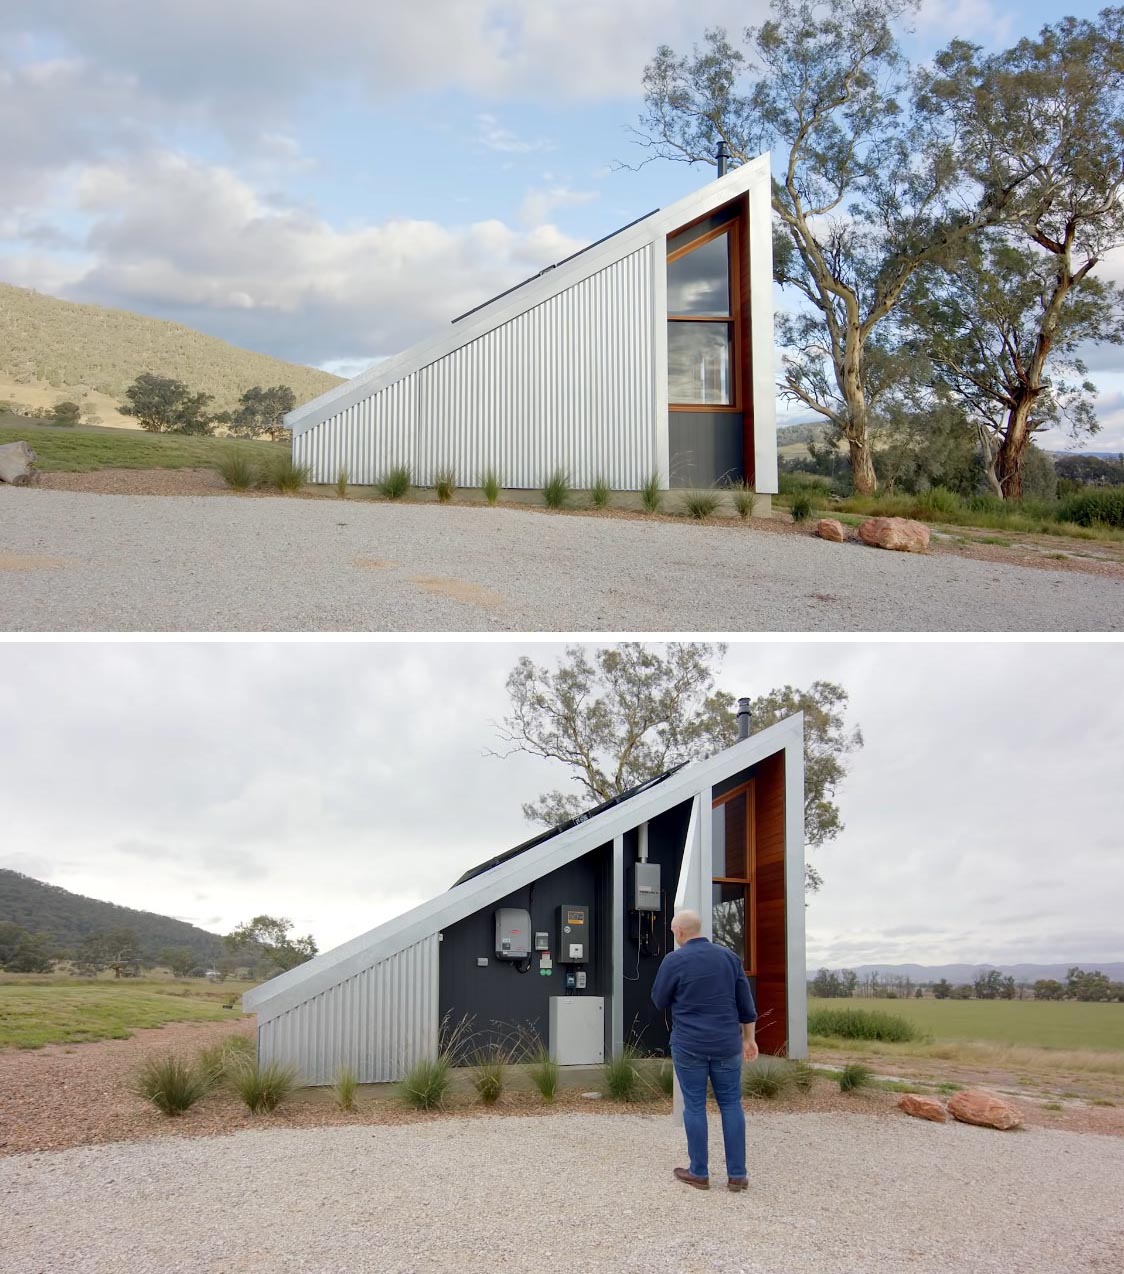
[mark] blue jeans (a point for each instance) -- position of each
(725, 1075)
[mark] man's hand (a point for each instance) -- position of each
(749, 1050)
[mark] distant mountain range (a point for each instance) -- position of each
(65, 919)
(957, 973)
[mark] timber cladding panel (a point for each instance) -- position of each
(772, 945)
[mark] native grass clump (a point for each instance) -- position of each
(700, 505)
(599, 494)
(264, 1088)
(173, 1084)
(395, 483)
(344, 1087)
(491, 485)
(863, 1024)
(651, 494)
(445, 485)
(556, 490)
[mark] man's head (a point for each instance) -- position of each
(686, 925)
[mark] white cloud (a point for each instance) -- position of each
(539, 205)
(492, 135)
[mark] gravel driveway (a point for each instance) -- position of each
(569, 1193)
(74, 561)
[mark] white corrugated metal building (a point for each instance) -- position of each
(648, 354)
(725, 833)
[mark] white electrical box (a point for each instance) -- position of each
(577, 1029)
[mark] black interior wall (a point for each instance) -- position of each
(644, 1024)
(498, 998)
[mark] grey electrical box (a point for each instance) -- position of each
(574, 934)
(577, 1029)
(646, 887)
(542, 941)
(513, 933)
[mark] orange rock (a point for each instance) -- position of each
(977, 1106)
(901, 534)
(923, 1107)
(830, 529)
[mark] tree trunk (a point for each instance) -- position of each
(1009, 457)
(850, 382)
(862, 466)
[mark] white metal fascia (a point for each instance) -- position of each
(652, 229)
(295, 986)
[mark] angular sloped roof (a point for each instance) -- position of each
(511, 871)
(534, 291)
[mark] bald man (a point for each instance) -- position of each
(712, 1032)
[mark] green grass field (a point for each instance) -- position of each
(1033, 1023)
(86, 448)
(74, 1011)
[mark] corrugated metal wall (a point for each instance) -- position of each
(378, 1022)
(569, 383)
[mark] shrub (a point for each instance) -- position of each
(66, 414)
(862, 1024)
(237, 471)
(396, 483)
(556, 490)
(491, 486)
(767, 1077)
(700, 504)
(599, 494)
(285, 475)
(545, 1074)
(341, 483)
(939, 503)
(854, 1076)
(264, 1087)
(445, 485)
(801, 506)
(426, 1084)
(622, 1079)
(343, 1090)
(743, 499)
(651, 494)
(171, 1083)
(803, 1075)
(1091, 507)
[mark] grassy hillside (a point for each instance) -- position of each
(66, 918)
(52, 349)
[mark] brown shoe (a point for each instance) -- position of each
(737, 1183)
(688, 1178)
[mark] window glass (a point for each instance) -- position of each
(728, 918)
(699, 281)
(699, 362)
(718, 841)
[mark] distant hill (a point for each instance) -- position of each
(66, 918)
(52, 350)
(959, 973)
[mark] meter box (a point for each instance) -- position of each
(574, 936)
(646, 887)
(577, 1029)
(513, 933)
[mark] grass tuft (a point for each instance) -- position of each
(264, 1088)
(489, 1077)
(491, 486)
(171, 1083)
(622, 1079)
(665, 1077)
(651, 494)
(863, 1024)
(803, 1076)
(599, 494)
(767, 1077)
(395, 483)
(341, 483)
(556, 490)
(237, 471)
(445, 485)
(219, 1061)
(801, 506)
(545, 1074)
(700, 504)
(284, 475)
(743, 499)
(426, 1084)
(855, 1075)
(344, 1088)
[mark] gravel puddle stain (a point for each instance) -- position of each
(30, 562)
(373, 564)
(458, 590)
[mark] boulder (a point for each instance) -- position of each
(16, 463)
(977, 1106)
(901, 534)
(923, 1107)
(830, 529)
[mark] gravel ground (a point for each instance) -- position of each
(573, 1192)
(79, 562)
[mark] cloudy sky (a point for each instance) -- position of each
(340, 784)
(331, 184)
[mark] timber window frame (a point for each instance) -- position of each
(731, 882)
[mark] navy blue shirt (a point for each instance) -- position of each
(708, 993)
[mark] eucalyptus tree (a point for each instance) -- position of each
(870, 185)
(1045, 121)
(627, 713)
